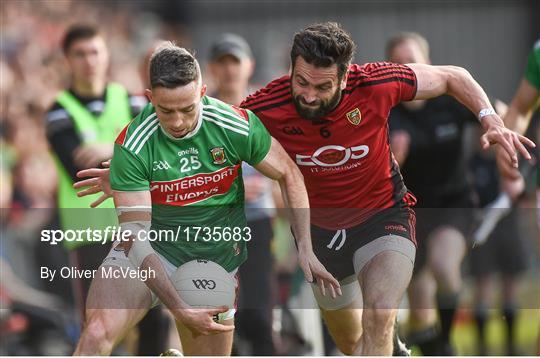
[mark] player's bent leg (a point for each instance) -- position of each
(384, 279)
(212, 345)
(423, 331)
(342, 315)
(114, 306)
(345, 324)
(421, 292)
(446, 249)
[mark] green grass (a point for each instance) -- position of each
(464, 335)
(465, 341)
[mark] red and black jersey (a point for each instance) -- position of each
(345, 157)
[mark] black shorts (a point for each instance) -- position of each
(457, 211)
(504, 251)
(336, 248)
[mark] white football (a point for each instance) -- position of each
(203, 283)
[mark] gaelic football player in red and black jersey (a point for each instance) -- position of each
(331, 118)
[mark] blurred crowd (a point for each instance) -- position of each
(32, 72)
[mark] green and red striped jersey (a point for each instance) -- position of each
(195, 181)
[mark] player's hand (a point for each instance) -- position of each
(89, 155)
(200, 321)
(504, 163)
(510, 141)
(314, 270)
(97, 182)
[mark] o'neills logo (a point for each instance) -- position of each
(195, 188)
(395, 227)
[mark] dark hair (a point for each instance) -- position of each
(407, 36)
(172, 66)
(323, 45)
(78, 32)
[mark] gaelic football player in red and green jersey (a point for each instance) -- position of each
(177, 165)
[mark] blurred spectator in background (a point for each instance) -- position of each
(81, 128)
(231, 65)
(504, 253)
(518, 117)
(29, 324)
(33, 70)
(427, 141)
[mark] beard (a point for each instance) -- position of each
(318, 109)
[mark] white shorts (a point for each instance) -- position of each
(116, 257)
(350, 288)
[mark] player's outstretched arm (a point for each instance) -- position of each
(134, 214)
(525, 102)
(517, 118)
(278, 166)
(433, 81)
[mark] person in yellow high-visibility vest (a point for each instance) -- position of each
(81, 127)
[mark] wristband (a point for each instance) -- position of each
(485, 112)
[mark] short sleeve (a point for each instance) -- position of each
(259, 141)
(128, 172)
(390, 82)
(407, 82)
(403, 82)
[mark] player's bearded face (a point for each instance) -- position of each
(316, 91)
(318, 108)
(177, 108)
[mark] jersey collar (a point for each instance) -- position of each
(193, 132)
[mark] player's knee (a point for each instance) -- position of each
(447, 274)
(346, 344)
(446, 251)
(380, 321)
